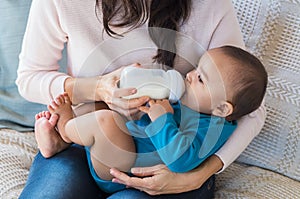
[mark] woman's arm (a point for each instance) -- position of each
(38, 77)
(159, 179)
(104, 88)
(248, 127)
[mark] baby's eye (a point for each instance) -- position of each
(199, 78)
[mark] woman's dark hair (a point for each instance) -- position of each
(162, 15)
(248, 81)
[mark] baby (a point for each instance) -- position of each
(227, 84)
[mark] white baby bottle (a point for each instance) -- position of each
(155, 83)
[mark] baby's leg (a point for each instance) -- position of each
(48, 140)
(104, 131)
(62, 107)
(89, 107)
(112, 145)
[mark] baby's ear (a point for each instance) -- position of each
(224, 109)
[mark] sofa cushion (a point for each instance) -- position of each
(17, 151)
(271, 30)
(244, 181)
(15, 112)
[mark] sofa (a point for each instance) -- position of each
(270, 165)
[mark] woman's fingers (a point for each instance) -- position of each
(123, 178)
(108, 91)
(129, 113)
(129, 104)
(144, 109)
(122, 92)
(151, 102)
(125, 107)
(147, 171)
(153, 185)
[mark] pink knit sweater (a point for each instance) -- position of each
(90, 51)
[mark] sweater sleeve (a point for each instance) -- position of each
(183, 149)
(227, 30)
(248, 127)
(38, 78)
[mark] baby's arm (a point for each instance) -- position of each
(157, 108)
(184, 148)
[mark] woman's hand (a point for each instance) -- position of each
(154, 180)
(109, 92)
(159, 179)
(157, 108)
(104, 88)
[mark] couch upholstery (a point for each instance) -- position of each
(268, 168)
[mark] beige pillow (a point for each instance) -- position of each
(271, 30)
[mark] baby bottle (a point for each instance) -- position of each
(155, 83)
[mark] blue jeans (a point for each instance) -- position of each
(66, 175)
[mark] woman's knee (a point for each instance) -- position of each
(61, 176)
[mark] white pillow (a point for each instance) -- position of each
(271, 31)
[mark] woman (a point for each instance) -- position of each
(115, 30)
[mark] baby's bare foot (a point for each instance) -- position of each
(48, 140)
(62, 107)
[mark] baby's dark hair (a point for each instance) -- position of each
(248, 81)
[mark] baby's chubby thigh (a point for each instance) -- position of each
(105, 135)
(112, 139)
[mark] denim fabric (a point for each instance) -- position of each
(66, 176)
(204, 192)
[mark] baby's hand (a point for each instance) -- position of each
(157, 108)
